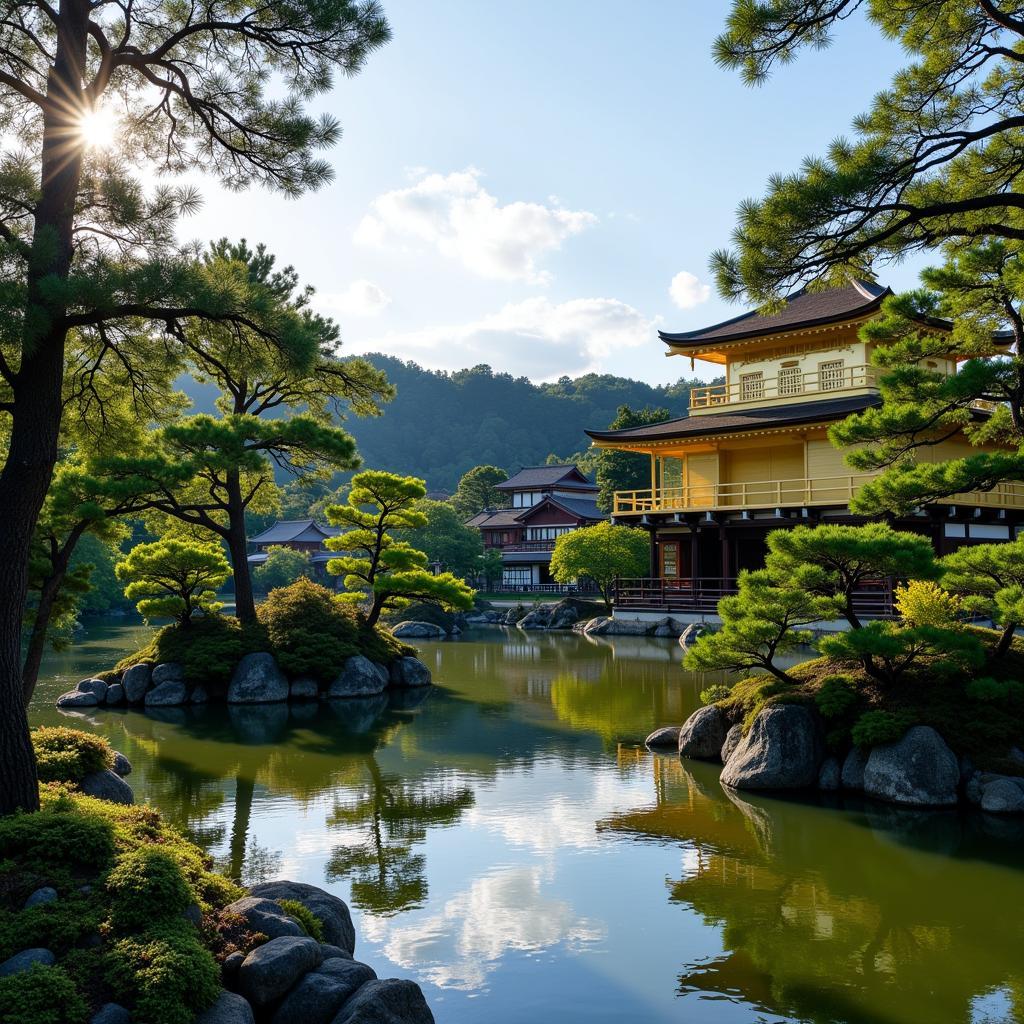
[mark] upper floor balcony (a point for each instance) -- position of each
(790, 384)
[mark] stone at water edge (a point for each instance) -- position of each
(167, 694)
(391, 1001)
(665, 738)
(829, 775)
(257, 680)
(919, 770)
(266, 916)
(304, 688)
(359, 677)
(168, 672)
(693, 632)
(409, 671)
(115, 694)
(47, 894)
(97, 687)
(111, 1013)
(333, 912)
(270, 970)
(199, 695)
(25, 960)
(782, 750)
(413, 630)
(703, 734)
(107, 785)
(135, 681)
(230, 1008)
(75, 699)
(318, 996)
(732, 741)
(852, 776)
(1001, 796)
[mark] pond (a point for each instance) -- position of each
(506, 841)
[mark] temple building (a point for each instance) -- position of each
(753, 454)
(305, 535)
(543, 503)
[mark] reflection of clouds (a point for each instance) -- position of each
(503, 911)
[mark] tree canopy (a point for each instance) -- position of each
(601, 553)
(477, 491)
(625, 471)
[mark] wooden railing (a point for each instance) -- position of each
(530, 545)
(872, 601)
(834, 490)
(751, 389)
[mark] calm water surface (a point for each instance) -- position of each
(504, 840)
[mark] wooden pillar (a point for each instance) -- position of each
(654, 475)
(655, 568)
(725, 539)
(695, 572)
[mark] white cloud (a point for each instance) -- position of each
(534, 338)
(687, 290)
(457, 216)
(360, 298)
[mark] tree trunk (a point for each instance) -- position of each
(36, 391)
(37, 637)
(238, 549)
(1005, 641)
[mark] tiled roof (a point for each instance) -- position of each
(802, 309)
(737, 422)
(565, 476)
(287, 530)
(494, 518)
(584, 508)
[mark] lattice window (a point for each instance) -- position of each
(791, 380)
(831, 375)
(751, 386)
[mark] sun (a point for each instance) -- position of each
(98, 127)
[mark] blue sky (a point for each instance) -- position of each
(521, 184)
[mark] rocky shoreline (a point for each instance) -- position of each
(784, 749)
(257, 679)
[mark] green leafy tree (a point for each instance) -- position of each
(837, 561)
(625, 471)
(380, 570)
(89, 248)
(174, 578)
(491, 567)
(444, 538)
(283, 566)
(476, 491)
(601, 553)
(991, 579)
(760, 623)
(935, 158)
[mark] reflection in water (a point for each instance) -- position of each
(504, 839)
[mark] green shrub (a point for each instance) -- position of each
(42, 995)
(988, 689)
(68, 755)
(57, 926)
(311, 924)
(714, 693)
(146, 885)
(836, 696)
(225, 932)
(875, 727)
(165, 972)
(59, 838)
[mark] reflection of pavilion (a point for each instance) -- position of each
(830, 915)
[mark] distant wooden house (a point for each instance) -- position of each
(306, 535)
(544, 503)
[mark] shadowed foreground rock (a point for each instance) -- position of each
(918, 769)
(333, 912)
(781, 751)
(703, 734)
(386, 1002)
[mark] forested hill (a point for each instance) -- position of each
(441, 424)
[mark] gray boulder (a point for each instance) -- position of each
(829, 775)
(852, 775)
(115, 696)
(257, 680)
(76, 699)
(973, 789)
(392, 1001)
(122, 766)
(264, 915)
(1001, 796)
(304, 688)
(167, 694)
(693, 632)
(409, 671)
(782, 750)
(270, 970)
(665, 738)
(333, 912)
(47, 894)
(413, 630)
(320, 994)
(168, 672)
(111, 1013)
(107, 785)
(230, 967)
(136, 682)
(703, 734)
(25, 960)
(229, 1009)
(918, 770)
(732, 741)
(334, 952)
(359, 677)
(97, 687)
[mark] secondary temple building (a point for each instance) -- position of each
(752, 455)
(543, 503)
